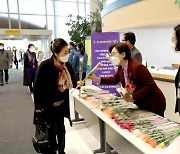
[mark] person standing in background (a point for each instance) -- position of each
(130, 39)
(5, 64)
(11, 55)
(21, 55)
(79, 63)
(176, 47)
(30, 66)
(15, 52)
(72, 52)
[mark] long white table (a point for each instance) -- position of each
(121, 140)
(84, 109)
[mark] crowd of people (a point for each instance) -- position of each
(51, 81)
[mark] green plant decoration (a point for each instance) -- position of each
(177, 2)
(96, 20)
(79, 28)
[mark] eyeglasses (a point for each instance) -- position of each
(113, 54)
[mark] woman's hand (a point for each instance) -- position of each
(94, 78)
(38, 111)
(128, 98)
(80, 83)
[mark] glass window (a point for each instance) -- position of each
(81, 1)
(33, 22)
(70, 0)
(13, 6)
(61, 28)
(32, 6)
(51, 24)
(82, 10)
(14, 21)
(87, 9)
(3, 6)
(65, 8)
(4, 21)
(50, 7)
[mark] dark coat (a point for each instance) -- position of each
(147, 95)
(5, 60)
(46, 91)
(177, 82)
(135, 54)
(27, 65)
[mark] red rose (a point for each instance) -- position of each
(128, 86)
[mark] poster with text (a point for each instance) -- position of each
(100, 43)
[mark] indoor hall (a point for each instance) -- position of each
(17, 129)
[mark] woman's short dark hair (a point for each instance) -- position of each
(30, 45)
(72, 43)
(81, 48)
(177, 33)
(57, 45)
(122, 47)
(130, 36)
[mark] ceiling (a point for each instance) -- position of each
(22, 37)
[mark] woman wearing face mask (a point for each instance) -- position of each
(51, 93)
(147, 95)
(176, 47)
(30, 66)
(79, 62)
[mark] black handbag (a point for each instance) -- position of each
(40, 139)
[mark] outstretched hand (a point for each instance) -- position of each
(94, 78)
(80, 83)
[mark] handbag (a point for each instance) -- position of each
(40, 139)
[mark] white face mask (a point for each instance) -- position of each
(32, 50)
(115, 60)
(1, 47)
(65, 58)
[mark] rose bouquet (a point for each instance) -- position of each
(128, 90)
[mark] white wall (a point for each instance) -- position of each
(155, 45)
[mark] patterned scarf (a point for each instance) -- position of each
(31, 57)
(64, 80)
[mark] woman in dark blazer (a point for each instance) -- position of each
(146, 95)
(176, 47)
(51, 93)
(30, 67)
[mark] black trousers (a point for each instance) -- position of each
(16, 63)
(57, 130)
(31, 85)
(6, 75)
